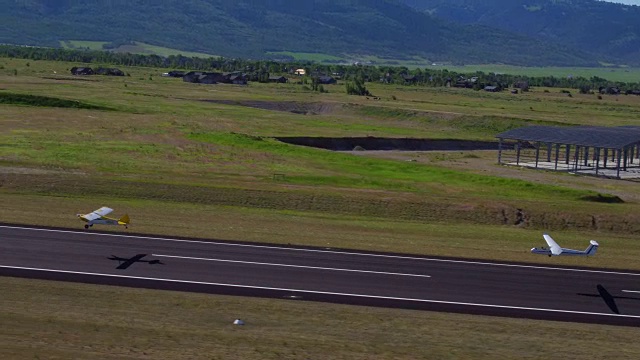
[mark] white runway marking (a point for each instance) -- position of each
(326, 251)
(330, 293)
(286, 265)
(631, 291)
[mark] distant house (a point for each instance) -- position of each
(81, 71)
(522, 85)
(201, 77)
(410, 79)
(463, 83)
(326, 80)
(176, 73)
(192, 76)
(300, 72)
(278, 79)
(207, 78)
(109, 71)
(238, 79)
(491, 88)
(611, 90)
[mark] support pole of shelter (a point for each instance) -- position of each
(619, 155)
(518, 153)
(625, 159)
(557, 155)
(597, 160)
(586, 156)
(606, 157)
(567, 154)
(500, 151)
(548, 152)
(537, 153)
(577, 159)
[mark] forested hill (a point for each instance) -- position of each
(257, 28)
(602, 27)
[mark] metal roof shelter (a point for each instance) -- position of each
(587, 150)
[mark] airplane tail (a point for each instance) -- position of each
(593, 247)
(124, 220)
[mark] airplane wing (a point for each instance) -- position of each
(553, 246)
(98, 213)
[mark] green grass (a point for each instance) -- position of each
(63, 320)
(349, 171)
(300, 56)
(144, 48)
(409, 62)
(174, 141)
(80, 44)
(137, 48)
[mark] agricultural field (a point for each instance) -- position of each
(135, 48)
(162, 149)
(301, 56)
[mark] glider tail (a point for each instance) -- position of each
(593, 247)
(124, 220)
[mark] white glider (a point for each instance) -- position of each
(555, 249)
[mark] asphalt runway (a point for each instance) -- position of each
(317, 274)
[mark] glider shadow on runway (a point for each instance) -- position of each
(126, 262)
(609, 299)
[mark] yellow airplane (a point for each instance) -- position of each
(98, 217)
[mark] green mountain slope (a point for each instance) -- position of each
(252, 28)
(609, 29)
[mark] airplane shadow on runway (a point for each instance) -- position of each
(126, 262)
(609, 299)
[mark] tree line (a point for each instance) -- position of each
(354, 75)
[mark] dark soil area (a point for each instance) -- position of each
(376, 143)
(285, 106)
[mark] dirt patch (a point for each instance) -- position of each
(296, 107)
(405, 113)
(68, 78)
(33, 171)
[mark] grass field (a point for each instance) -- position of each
(70, 321)
(162, 149)
(162, 131)
(317, 57)
(80, 44)
(136, 48)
